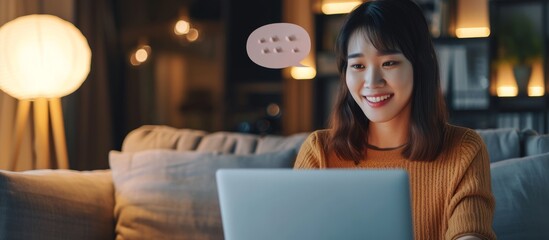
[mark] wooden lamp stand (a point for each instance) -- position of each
(42, 132)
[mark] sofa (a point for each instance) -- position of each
(161, 185)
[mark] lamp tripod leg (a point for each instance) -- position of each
(41, 133)
(23, 108)
(58, 129)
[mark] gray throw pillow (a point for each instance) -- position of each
(166, 194)
(56, 204)
(501, 143)
(521, 190)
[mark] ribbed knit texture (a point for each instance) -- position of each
(451, 196)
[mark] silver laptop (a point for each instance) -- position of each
(288, 204)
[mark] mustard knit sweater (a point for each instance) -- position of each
(451, 196)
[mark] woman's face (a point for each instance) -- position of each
(380, 82)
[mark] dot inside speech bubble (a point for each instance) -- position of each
(278, 45)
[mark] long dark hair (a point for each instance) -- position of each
(391, 25)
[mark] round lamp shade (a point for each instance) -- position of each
(42, 56)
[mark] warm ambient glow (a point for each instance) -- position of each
(303, 73)
(338, 7)
(472, 32)
(536, 91)
(182, 27)
(42, 56)
(507, 91)
(506, 84)
(472, 19)
(536, 86)
(192, 35)
(141, 55)
(273, 110)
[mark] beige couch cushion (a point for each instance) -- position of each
(163, 137)
(227, 142)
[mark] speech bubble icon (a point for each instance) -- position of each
(278, 45)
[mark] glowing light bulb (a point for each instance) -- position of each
(339, 7)
(192, 35)
(182, 27)
(302, 73)
(141, 55)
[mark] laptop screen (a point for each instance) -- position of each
(314, 204)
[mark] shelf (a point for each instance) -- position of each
(520, 104)
(460, 41)
(469, 111)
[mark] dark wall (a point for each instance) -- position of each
(241, 18)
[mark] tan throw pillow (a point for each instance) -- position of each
(166, 194)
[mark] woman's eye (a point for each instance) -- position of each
(390, 63)
(357, 66)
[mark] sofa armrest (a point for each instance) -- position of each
(520, 190)
(536, 144)
(56, 204)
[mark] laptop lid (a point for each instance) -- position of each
(314, 204)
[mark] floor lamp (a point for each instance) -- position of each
(42, 58)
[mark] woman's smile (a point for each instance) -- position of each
(378, 100)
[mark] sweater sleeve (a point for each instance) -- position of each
(471, 208)
(310, 154)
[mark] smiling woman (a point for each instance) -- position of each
(392, 44)
(390, 113)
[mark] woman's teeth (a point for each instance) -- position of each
(378, 98)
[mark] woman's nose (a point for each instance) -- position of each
(373, 78)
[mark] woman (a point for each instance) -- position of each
(390, 113)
